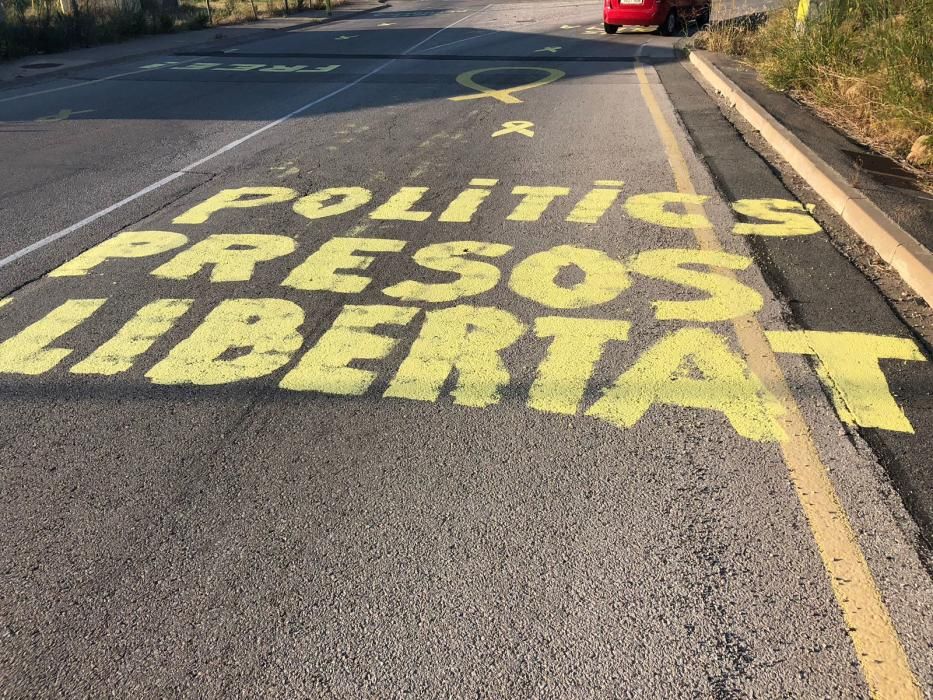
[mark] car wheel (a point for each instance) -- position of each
(669, 28)
(610, 28)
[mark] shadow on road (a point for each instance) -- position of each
(266, 78)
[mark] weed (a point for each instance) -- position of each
(45, 26)
(864, 65)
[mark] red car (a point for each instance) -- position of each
(667, 15)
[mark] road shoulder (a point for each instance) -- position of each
(820, 285)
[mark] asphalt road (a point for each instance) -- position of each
(420, 354)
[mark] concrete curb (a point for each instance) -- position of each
(912, 261)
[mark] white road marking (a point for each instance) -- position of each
(458, 41)
(51, 238)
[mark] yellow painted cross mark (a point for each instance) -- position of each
(385, 24)
(520, 127)
(62, 115)
(286, 170)
(549, 49)
(505, 96)
(344, 37)
(569, 26)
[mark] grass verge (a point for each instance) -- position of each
(865, 66)
(30, 27)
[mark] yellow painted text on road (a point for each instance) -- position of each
(768, 217)
(266, 329)
(848, 364)
(28, 351)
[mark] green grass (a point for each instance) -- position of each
(864, 65)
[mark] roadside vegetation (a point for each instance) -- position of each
(29, 27)
(865, 66)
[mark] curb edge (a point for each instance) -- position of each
(904, 253)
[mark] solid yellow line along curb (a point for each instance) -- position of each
(882, 658)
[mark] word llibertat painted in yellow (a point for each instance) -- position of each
(766, 217)
(465, 345)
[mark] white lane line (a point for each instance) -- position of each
(442, 29)
(51, 238)
(87, 82)
(479, 36)
(458, 41)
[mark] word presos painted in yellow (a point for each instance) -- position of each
(244, 338)
(333, 267)
(769, 217)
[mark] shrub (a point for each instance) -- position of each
(866, 65)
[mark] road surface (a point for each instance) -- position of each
(420, 354)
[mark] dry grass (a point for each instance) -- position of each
(30, 27)
(237, 11)
(865, 66)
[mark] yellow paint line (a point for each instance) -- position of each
(880, 653)
(63, 115)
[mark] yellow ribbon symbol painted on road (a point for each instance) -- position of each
(466, 79)
(521, 127)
